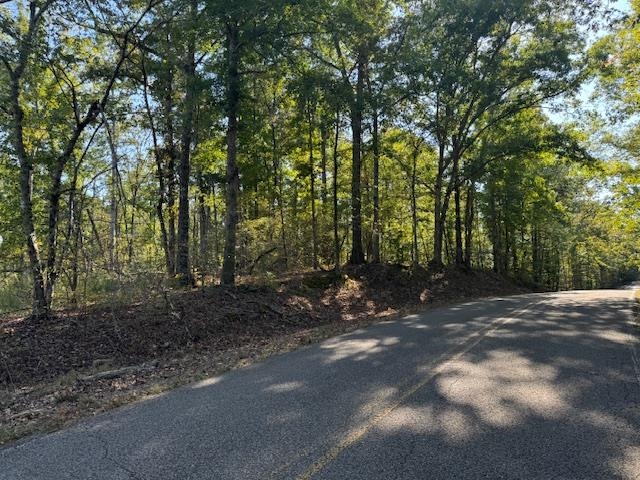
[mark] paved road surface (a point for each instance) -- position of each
(542, 386)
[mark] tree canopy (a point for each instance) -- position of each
(206, 141)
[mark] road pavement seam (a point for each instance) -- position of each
(437, 367)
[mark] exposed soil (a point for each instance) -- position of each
(84, 362)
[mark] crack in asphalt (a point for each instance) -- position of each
(108, 458)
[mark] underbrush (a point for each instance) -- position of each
(15, 292)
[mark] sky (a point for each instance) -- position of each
(560, 110)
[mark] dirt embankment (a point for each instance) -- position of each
(84, 362)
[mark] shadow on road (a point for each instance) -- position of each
(552, 393)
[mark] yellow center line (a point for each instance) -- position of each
(437, 367)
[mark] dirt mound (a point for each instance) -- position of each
(219, 318)
(398, 286)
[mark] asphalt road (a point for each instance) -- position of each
(541, 386)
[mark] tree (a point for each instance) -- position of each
(350, 35)
(24, 38)
(471, 66)
(242, 34)
(616, 59)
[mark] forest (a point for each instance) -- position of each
(200, 142)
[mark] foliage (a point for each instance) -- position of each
(406, 132)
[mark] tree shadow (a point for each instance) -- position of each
(549, 393)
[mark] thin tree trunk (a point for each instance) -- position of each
(40, 306)
(507, 244)
(76, 232)
(376, 234)
(233, 178)
(357, 252)
(160, 173)
(204, 222)
(182, 264)
(132, 220)
(324, 136)
(438, 215)
(113, 199)
(336, 235)
(278, 194)
(170, 148)
(469, 214)
(414, 213)
(459, 256)
(216, 238)
(312, 184)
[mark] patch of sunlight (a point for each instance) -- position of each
(504, 388)
(628, 464)
(207, 382)
(456, 426)
(608, 422)
(461, 325)
(358, 349)
(453, 425)
(564, 333)
(413, 419)
(370, 403)
(615, 337)
(284, 387)
(419, 326)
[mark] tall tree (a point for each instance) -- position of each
(24, 39)
(352, 32)
(257, 26)
(471, 65)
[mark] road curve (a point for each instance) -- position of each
(538, 386)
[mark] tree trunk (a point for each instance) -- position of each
(469, 214)
(160, 172)
(376, 234)
(132, 222)
(77, 234)
(536, 255)
(113, 198)
(216, 239)
(52, 227)
(204, 214)
(507, 244)
(336, 235)
(414, 212)
(312, 187)
(459, 257)
(357, 252)
(170, 173)
(233, 178)
(324, 136)
(438, 214)
(277, 178)
(184, 169)
(40, 307)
